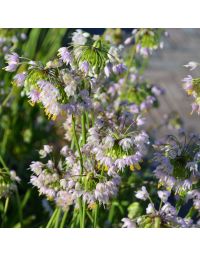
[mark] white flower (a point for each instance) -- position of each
(126, 143)
(36, 167)
(109, 141)
(192, 65)
(150, 209)
(79, 37)
(168, 209)
(46, 150)
(142, 194)
(128, 223)
(64, 150)
(163, 195)
(14, 176)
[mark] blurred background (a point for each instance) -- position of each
(166, 69)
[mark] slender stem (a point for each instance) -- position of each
(19, 208)
(57, 218)
(96, 210)
(76, 142)
(83, 215)
(5, 211)
(6, 205)
(82, 205)
(62, 224)
(4, 165)
(83, 120)
(80, 211)
(7, 98)
(52, 218)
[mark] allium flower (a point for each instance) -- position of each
(128, 223)
(188, 84)
(13, 61)
(177, 164)
(157, 91)
(150, 209)
(142, 194)
(49, 96)
(19, 79)
(192, 65)
(65, 55)
(108, 69)
(34, 96)
(36, 167)
(119, 68)
(128, 40)
(126, 143)
(84, 67)
(79, 37)
(163, 195)
(62, 183)
(168, 210)
(45, 151)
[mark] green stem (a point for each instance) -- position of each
(6, 99)
(83, 215)
(77, 143)
(19, 208)
(6, 205)
(52, 218)
(80, 211)
(4, 165)
(62, 224)
(82, 205)
(96, 215)
(57, 218)
(5, 211)
(83, 122)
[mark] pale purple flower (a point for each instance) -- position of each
(126, 143)
(19, 79)
(36, 167)
(12, 58)
(45, 151)
(84, 67)
(34, 96)
(157, 91)
(64, 150)
(188, 79)
(142, 194)
(109, 141)
(13, 61)
(128, 223)
(79, 37)
(119, 69)
(120, 163)
(163, 195)
(140, 120)
(128, 40)
(168, 209)
(195, 107)
(65, 55)
(108, 70)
